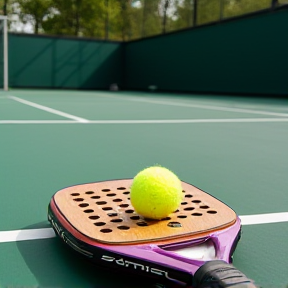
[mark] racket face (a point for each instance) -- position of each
(98, 221)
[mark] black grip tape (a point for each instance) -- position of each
(219, 274)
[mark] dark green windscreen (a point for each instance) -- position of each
(248, 55)
(1, 55)
(241, 56)
(63, 63)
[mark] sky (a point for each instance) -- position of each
(18, 26)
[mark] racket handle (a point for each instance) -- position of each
(219, 274)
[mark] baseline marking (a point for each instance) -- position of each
(208, 107)
(45, 233)
(171, 121)
(40, 122)
(26, 234)
(264, 218)
(48, 109)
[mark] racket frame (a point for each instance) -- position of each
(154, 259)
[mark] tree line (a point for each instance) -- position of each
(121, 19)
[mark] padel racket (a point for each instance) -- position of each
(192, 247)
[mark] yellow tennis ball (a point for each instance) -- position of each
(156, 192)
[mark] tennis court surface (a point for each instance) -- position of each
(234, 148)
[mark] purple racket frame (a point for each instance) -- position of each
(147, 259)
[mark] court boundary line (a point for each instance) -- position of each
(46, 233)
(171, 103)
(48, 109)
(145, 100)
(164, 121)
(201, 106)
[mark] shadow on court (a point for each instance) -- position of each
(55, 265)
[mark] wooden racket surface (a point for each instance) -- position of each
(102, 211)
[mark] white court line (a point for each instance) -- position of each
(44, 233)
(40, 122)
(183, 121)
(48, 109)
(171, 121)
(264, 218)
(26, 234)
(208, 107)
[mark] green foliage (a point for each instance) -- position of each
(208, 11)
(76, 17)
(124, 19)
(4, 7)
(184, 14)
(240, 7)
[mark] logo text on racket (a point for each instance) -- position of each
(129, 264)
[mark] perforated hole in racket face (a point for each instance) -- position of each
(102, 211)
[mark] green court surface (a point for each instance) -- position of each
(234, 148)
